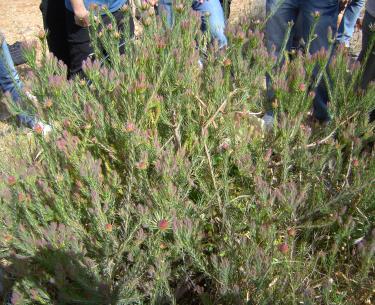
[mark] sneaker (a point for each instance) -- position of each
(268, 121)
(42, 128)
(200, 64)
(31, 97)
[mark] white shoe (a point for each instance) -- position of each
(31, 97)
(42, 128)
(200, 64)
(268, 121)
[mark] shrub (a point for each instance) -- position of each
(159, 185)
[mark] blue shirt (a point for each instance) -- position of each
(113, 5)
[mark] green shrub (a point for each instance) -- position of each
(159, 185)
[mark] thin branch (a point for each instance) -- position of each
(331, 135)
(346, 182)
(176, 131)
(220, 109)
(322, 141)
(212, 171)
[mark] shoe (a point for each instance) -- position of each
(16, 53)
(42, 128)
(200, 64)
(31, 97)
(268, 121)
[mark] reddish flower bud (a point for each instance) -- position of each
(163, 225)
(41, 34)
(355, 162)
(142, 165)
(302, 87)
(21, 197)
(284, 248)
(8, 238)
(108, 227)
(291, 232)
(48, 103)
(38, 129)
(227, 62)
(11, 180)
(129, 127)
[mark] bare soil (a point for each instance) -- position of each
(20, 19)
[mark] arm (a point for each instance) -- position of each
(81, 14)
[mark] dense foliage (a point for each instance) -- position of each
(159, 184)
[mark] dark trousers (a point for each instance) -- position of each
(369, 68)
(79, 40)
(54, 22)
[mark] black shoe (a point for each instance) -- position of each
(16, 53)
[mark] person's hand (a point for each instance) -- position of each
(81, 18)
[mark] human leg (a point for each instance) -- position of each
(165, 9)
(369, 68)
(281, 13)
(328, 14)
(215, 21)
(54, 13)
(11, 83)
(79, 44)
(347, 25)
(9, 79)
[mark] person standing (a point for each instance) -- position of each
(285, 11)
(368, 48)
(349, 21)
(10, 83)
(54, 23)
(77, 24)
(215, 21)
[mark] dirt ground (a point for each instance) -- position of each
(20, 19)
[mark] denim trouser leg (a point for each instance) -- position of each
(328, 10)
(276, 29)
(349, 20)
(165, 8)
(215, 22)
(10, 81)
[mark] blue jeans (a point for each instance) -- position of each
(277, 25)
(349, 20)
(215, 22)
(10, 82)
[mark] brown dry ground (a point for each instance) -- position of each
(20, 19)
